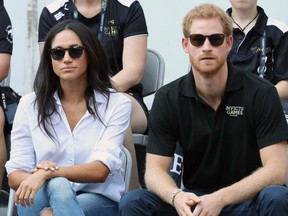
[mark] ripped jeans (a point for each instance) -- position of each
(58, 195)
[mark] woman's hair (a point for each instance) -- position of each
(46, 82)
(207, 11)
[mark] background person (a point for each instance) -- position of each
(249, 24)
(123, 33)
(68, 134)
(234, 146)
(6, 46)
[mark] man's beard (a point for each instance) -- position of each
(206, 68)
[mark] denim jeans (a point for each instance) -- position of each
(58, 195)
(271, 201)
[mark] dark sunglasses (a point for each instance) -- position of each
(199, 39)
(74, 51)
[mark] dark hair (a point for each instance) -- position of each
(46, 82)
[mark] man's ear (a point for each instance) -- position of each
(229, 42)
(185, 43)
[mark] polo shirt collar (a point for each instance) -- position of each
(261, 21)
(234, 82)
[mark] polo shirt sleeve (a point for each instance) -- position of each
(271, 125)
(46, 22)
(281, 63)
(162, 134)
(6, 33)
(136, 23)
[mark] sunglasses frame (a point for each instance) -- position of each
(198, 40)
(74, 51)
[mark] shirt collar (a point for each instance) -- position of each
(234, 82)
(100, 98)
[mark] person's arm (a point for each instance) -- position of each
(160, 182)
(134, 58)
(4, 65)
(282, 89)
(273, 172)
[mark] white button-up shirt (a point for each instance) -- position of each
(89, 141)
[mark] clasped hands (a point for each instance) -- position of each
(189, 204)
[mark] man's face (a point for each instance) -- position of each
(207, 57)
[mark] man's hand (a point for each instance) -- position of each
(184, 201)
(210, 205)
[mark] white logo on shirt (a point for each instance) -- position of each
(59, 15)
(9, 34)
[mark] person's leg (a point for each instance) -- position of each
(62, 198)
(144, 203)
(138, 124)
(3, 148)
(273, 200)
(96, 204)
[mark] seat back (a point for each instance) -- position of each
(126, 159)
(152, 80)
(154, 71)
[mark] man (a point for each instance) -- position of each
(249, 24)
(230, 125)
(6, 44)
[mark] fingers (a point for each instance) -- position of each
(46, 165)
(25, 197)
(193, 200)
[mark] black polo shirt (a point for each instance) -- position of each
(219, 147)
(246, 49)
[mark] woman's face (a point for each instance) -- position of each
(68, 56)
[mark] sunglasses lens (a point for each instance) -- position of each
(57, 53)
(74, 52)
(214, 39)
(197, 39)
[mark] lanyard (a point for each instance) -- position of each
(103, 12)
(262, 67)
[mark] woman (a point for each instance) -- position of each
(121, 27)
(67, 135)
(6, 46)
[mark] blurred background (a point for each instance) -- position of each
(164, 19)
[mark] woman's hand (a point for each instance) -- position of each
(25, 193)
(45, 165)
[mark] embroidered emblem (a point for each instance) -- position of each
(235, 111)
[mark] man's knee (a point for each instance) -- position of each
(274, 198)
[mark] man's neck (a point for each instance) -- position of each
(211, 89)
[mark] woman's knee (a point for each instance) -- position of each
(59, 186)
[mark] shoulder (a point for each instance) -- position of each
(278, 24)
(115, 98)
(127, 3)
(56, 5)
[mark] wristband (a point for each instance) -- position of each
(174, 195)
